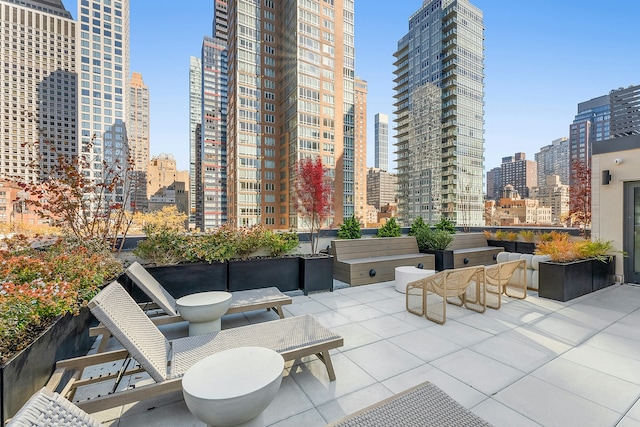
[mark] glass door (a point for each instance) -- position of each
(631, 239)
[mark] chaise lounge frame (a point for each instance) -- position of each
(167, 361)
(241, 301)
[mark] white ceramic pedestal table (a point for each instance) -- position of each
(204, 310)
(406, 275)
(233, 387)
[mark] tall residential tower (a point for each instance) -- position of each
(103, 62)
(291, 96)
(38, 98)
(138, 135)
(439, 112)
(381, 129)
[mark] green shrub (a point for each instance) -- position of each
(446, 225)
(433, 240)
(163, 246)
(390, 229)
(350, 229)
(280, 243)
(417, 225)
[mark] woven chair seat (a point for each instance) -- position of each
(425, 405)
(49, 409)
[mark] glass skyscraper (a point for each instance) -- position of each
(439, 94)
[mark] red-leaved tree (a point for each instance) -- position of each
(313, 196)
(580, 196)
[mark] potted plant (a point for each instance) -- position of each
(313, 203)
(350, 229)
(575, 268)
(526, 244)
(389, 229)
(436, 242)
(43, 314)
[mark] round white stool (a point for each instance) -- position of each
(405, 275)
(233, 387)
(204, 310)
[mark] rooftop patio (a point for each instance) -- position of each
(533, 362)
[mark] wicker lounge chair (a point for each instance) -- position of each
(448, 286)
(241, 301)
(48, 409)
(166, 361)
(424, 405)
(497, 278)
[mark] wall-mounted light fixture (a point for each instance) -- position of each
(606, 177)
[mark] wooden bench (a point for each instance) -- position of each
(365, 261)
(471, 249)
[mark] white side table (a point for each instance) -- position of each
(204, 310)
(405, 275)
(233, 387)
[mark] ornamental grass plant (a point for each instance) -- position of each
(39, 285)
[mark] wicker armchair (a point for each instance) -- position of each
(498, 277)
(461, 286)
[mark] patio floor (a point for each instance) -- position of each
(533, 362)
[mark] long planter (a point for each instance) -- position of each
(565, 281)
(29, 370)
(316, 273)
(185, 279)
(603, 273)
(264, 272)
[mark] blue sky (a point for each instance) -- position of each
(542, 58)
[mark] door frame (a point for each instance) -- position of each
(629, 231)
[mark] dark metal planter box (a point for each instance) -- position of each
(264, 272)
(565, 281)
(508, 246)
(316, 273)
(443, 259)
(30, 369)
(184, 279)
(525, 247)
(603, 273)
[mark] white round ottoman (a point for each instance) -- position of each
(233, 387)
(204, 310)
(405, 275)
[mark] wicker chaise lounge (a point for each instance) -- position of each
(166, 361)
(48, 409)
(460, 286)
(270, 298)
(255, 299)
(425, 405)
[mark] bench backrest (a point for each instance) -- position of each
(467, 241)
(374, 247)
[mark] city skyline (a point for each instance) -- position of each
(537, 69)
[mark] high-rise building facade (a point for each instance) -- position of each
(208, 126)
(625, 111)
(382, 188)
(103, 73)
(553, 159)
(591, 124)
(214, 133)
(439, 80)
(555, 195)
(291, 96)
(138, 136)
(38, 101)
(494, 184)
(195, 122)
(360, 151)
(381, 129)
(520, 173)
